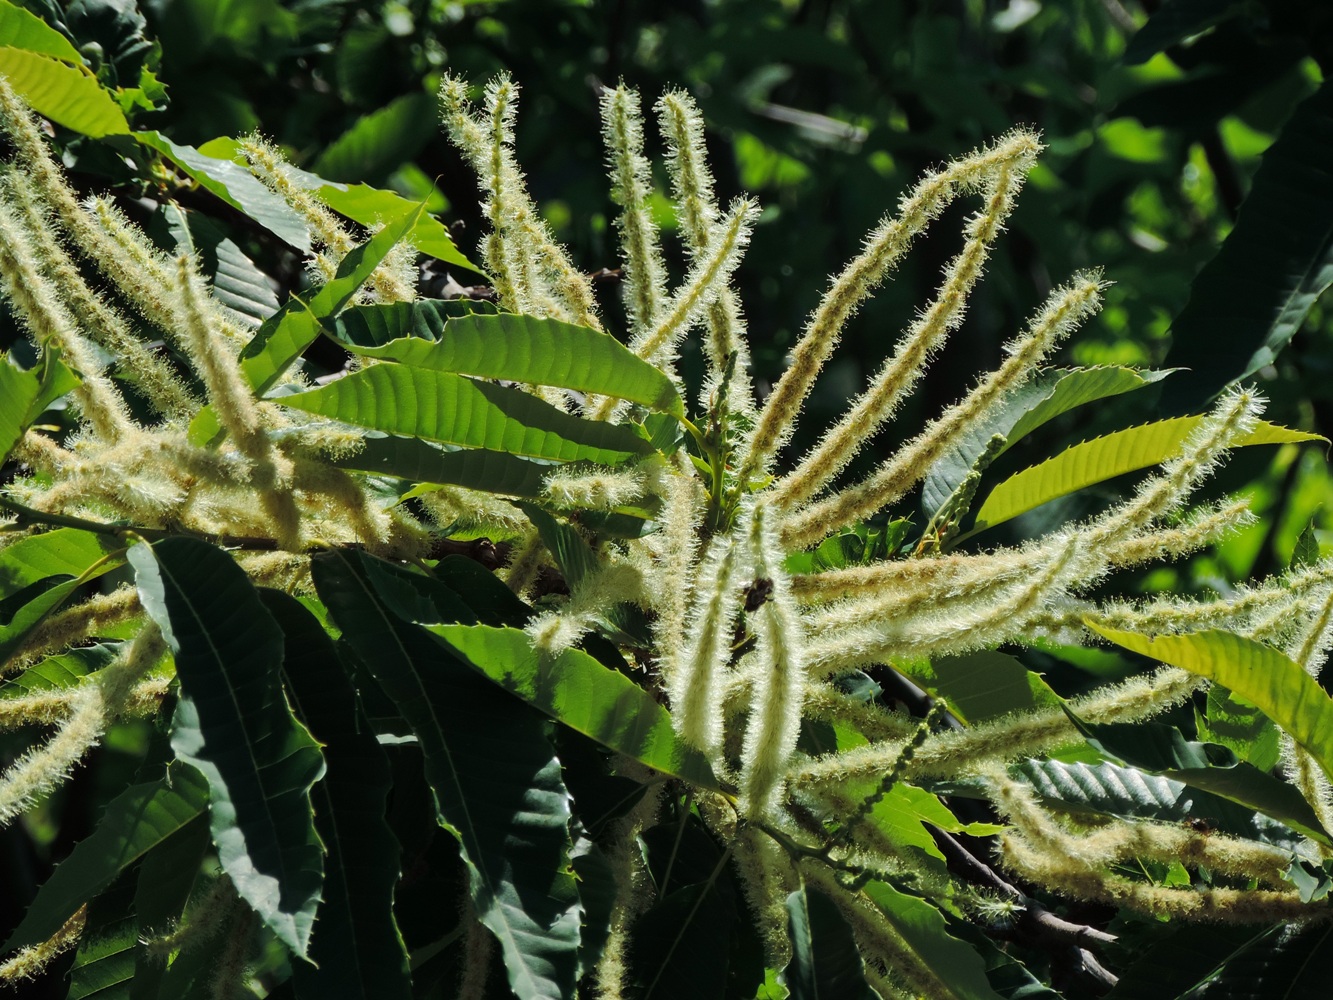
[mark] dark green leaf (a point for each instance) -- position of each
(681, 945)
(24, 394)
(380, 142)
(495, 779)
(419, 461)
(1177, 20)
(356, 950)
(1287, 962)
(233, 723)
(825, 962)
(1251, 298)
(135, 822)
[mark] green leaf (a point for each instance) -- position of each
(237, 187)
(1306, 552)
(420, 461)
(232, 723)
(380, 142)
(1105, 458)
(983, 685)
(1040, 401)
(36, 610)
(104, 965)
(22, 29)
(496, 781)
(235, 280)
(25, 393)
(166, 879)
(1175, 21)
(285, 336)
(68, 95)
(62, 671)
(62, 552)
(1250, 299)
(576, 690)
(457, 410)
(356, 950)
(1130, 793)
(135, 821)
(1271, 680)
(1236, 724)
(1182, 956)
(363, 204)
(1290, 961)
(507, 346)
(680, 946)
(825, 963)
(956, 969)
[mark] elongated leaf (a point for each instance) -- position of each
(1023, 411)
(496, 781)
(1250, 299)
(22, 29)
(420, 461)
(1260, 674)
(283, 338)
(1134, 794)
(135, 821)
(68, 95)
(1175, 21)
(236, 281)
(25, 393)
(285, 335)
(237, 187)
(680, 947)
(62, 671)
(983, 685)
(356, 950)
(576, 690)
(1287, 962)
(380, 142)
(362, 203)
(62, 552)
(104, 965)
(1182, 957)
(457, 410)
(825, 962)
(35, 611)
(507, 346)
(167, 877)
(958, 971)
(232, 723)
(1105, 458)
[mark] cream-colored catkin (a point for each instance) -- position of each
(573, 489)
(91, 708)
(884, 247)
(632, 190)
(154, 378)
(1066, 308)
(39, 305)
(695, 682)
(696, 209)
(31, 962)
(682, 509)
(74, 625)
(602, 588)
(779, 687)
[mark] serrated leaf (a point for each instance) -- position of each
(1250, 299)
(236, 186)
(380, 142)
(825, 963)
(233, 724)
(574, 689)
(420, 461)
(104, 965)
(1105, 458)
(982, 685)
(356, 950)
(25, 393)
(1271, 680)
(1306, 552)
(1038, 402)
(22, 29)
(957, 970)
(1239, 726)
(507, 346)
(64, 670)
(366, 205)
(135, 821)
(496, 781)
(457, 410)
(68, 95)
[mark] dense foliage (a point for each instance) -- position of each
(557, 616)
